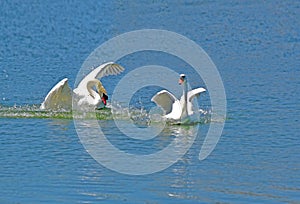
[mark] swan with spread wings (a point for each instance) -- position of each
(174, 109)
(89, 92)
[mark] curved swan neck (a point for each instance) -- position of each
(91, 92)
(89, 86)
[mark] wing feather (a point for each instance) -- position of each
(165, 100)
(190, 95)
(195, 92)
(59, 97)
(103, 70)
(107, 69)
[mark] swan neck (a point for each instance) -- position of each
(90, 84)
(91, 91)
(184, 89)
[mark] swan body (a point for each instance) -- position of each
(173, 108)
(89, 92)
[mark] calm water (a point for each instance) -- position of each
(255, 46)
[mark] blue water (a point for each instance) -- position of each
(256, 48)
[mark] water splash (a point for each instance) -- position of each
(31, 111)
(139, 116)
(143, 118)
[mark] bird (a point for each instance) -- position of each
(175, 109)
(89, 92)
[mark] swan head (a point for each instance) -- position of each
(100, 95)
(182, 79)
(102, 92)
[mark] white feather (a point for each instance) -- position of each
(169, 103)
(59, 97)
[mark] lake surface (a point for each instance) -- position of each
(256, 48)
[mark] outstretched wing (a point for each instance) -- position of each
(169, 103)
(59, 97)
(107, 69)
(190, 96)
(195, 92)
(103, 70)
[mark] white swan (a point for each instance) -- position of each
(89, 91)
(174, 109)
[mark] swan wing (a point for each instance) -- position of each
(195, 92)
(190, 96)
(59, 97)
(169, 103)
(103, 70)
(107, 69)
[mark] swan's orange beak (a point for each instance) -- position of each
(104, 101)
(104, 98)
(180, 81)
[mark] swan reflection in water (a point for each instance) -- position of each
(122, 153)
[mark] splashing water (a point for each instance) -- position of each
(140, 116)
(32, 111)
(143, 118)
